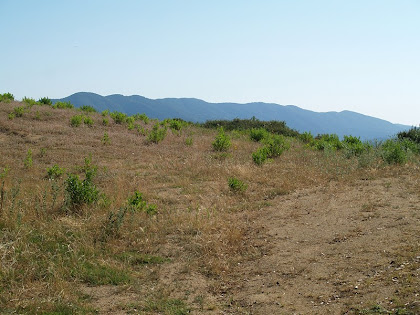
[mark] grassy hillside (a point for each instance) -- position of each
(100, 212)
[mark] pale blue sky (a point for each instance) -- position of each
(360, 55)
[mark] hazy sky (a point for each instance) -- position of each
(359, 55)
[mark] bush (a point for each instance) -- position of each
(142, 117)
(353, 146)
(88, 121)
(157, 134)
(275, 145)
(393, 152)
(327, 141)
(105, 121)
(87, 109)
(79, 191)
(63, 105)
(222, 141)
(105, 139)
(76, 120)
(137, 203)
(119, 118)
(6, 97)
(236, 185)
(260, 156)
(306, 137)
(18, 111)
(54, 172)
(413, 134)
(11, 115)
(105, 112)
(273, 126)
(189, 141)
(258, 134)
(27, 162)
(45, 101)
(30, 101)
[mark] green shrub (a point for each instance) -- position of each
(87, 109)
(140, 129)
(27, 162)
(222, 141)
(54, 172)
(258, 134)
(18, 111)
(157, 134)
(274, 126)
(327, 142)
(275, 145)
(105, 139)
(11, 115)
(306, 137)
(353, 146)
(6, 97)
(45, 101)
(105, 112)
(189, 141)
(30, 101)
(63, 105)
(137, 203)
(105, 121)
(236, 185)
(119, 118)
(88, 121)
(260, 156)
(393, 152)
(76, 120)
(142, 117)
(79, 191)
(413, 134)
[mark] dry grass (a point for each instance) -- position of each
(201, 231)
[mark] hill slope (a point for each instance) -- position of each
(191, 109)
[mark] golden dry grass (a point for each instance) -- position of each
(202, 230)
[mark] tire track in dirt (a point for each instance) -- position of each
(327, 248)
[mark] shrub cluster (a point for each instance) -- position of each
(157, 134)
(222, 142)
(136, 202)
(274, 146)
(6, 97)
(80, 191)
(273, 126)
(63, 105)
(236, 185)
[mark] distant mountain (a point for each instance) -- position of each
(195, 110)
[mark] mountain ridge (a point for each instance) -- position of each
(196, 110)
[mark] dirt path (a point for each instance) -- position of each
(334, 250)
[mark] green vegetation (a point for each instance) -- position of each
(63, 105)
(27, 162)
(30, 101)
(76, 120)
(88, 121)
(18, 111)
(87, 109)
(222, 142)
(80, 192)
(119, 118)
(6, 97)
(274, 146)
(54, 172)
(413, 135)
(157, 134)
(45, 101)
(237, 185)
(276, 127)
(136, 202)
(105, 139)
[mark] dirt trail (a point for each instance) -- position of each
(335, 249)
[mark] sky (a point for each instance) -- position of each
(321, 55)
